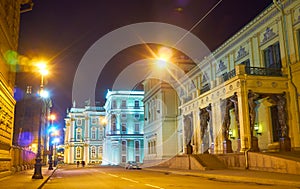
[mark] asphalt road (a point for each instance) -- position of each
(119, 178)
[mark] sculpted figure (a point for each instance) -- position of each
(226, 119)
(211, 131)
(204, 119)
(282, 115)
(252, 97)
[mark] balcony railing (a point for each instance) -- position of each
(263, 71)
(204, 89)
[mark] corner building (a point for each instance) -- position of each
(124, 133)
(244, 96)
(9, 39)
(84, 134)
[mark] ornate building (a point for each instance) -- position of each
(9, 36)
(84, 134)
(244, 96)
(124, 139)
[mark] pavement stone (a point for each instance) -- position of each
(238, 175)
(23, 180)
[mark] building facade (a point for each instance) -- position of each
(124, 139)
(84, 134)
(244, 96)
(9, 36)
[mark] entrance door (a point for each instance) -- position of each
(275, 124)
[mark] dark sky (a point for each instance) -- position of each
(61, 31)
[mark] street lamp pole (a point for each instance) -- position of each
(52, 118)
(38, 165)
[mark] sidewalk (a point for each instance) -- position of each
(237, 175)
(23, 180)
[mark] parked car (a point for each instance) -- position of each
(132, 165)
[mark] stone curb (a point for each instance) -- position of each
(46, 180)
(231, 178)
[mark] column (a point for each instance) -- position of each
(245, 137)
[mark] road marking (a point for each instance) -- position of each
(153, 186)
(113, 175)
(129, 180)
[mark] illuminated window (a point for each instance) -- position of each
(94, 121)
(124, 128)
(136, 104)
(137, 158)
(123, 146)
(123, 104)
(113, 104)
(123, 158)
(272, 56)
(78, 152)
(137, 128)
(113, 123)
(123, 116)
(137, 147)
(93, 152)
(79, 122)
(78, 134)
(93, 133)
(28, 89)
(100, 150)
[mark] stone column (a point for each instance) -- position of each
(245, 137)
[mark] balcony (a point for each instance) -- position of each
(263, 71)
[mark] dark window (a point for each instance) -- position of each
(272, 56)
(136, 104)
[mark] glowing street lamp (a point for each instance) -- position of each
(42, 95)
(164, 56)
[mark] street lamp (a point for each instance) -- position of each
(52, 117)
(55, 141)
(42, 94)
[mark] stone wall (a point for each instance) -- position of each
(184, 162)
(22, 159)
(261, 162)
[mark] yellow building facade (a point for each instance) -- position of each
(244, 95)
(9, 36)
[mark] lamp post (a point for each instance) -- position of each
(52, 117)
(42, 94)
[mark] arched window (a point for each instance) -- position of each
(93, 152)
(100, 151)
(78, 152)
(78, 134)
(93, 133)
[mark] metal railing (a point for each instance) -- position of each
(263, 71)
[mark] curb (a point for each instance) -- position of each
(227, 178)
(45, 181)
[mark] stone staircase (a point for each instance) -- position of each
(209, 162)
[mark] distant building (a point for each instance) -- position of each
(124, 139)
(32, 113)
(84, 134)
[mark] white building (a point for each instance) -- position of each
(125, 127)
(84, 135)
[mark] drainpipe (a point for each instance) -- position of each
(287, 51)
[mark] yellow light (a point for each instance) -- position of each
(164, 56)
(165, 53)
(103, 120)
(52, 117)
(42, 66)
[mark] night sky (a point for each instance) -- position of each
(61, 31)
